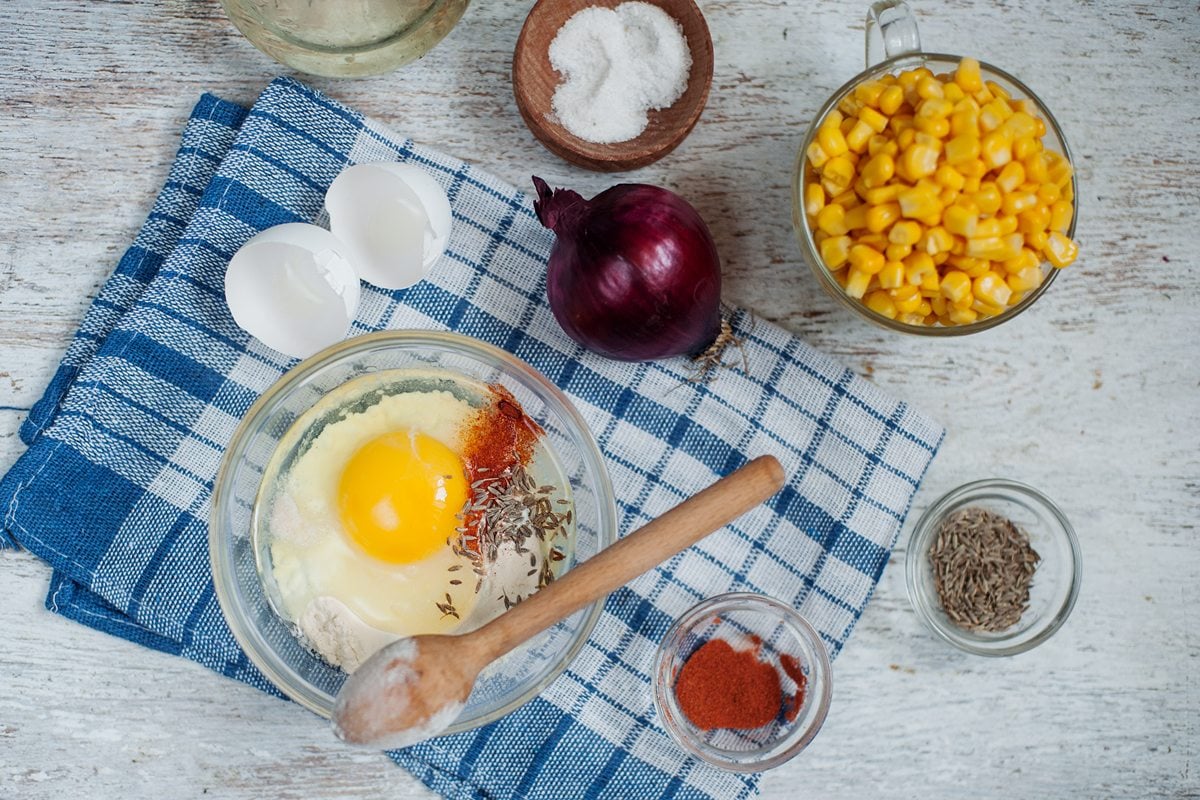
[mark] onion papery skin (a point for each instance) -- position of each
(634, 273)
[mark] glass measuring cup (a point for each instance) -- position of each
(893, 44)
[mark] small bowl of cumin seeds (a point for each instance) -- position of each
(993, 567)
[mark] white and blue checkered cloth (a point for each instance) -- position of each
(114, 489)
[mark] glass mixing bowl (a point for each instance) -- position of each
(780, 630)
(342, 39)
(270, 641)
(1056, 580)
(892, 21)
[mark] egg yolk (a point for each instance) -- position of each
(399, 496)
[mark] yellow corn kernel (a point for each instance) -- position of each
(847, 199)
(962, 316)
(918, 203)
(1036, 169)
(978, 267)
(962, 149)
(925, 309)
(865, 258)
(817, 155)
(878, 171)
(849, 108)
(1007, 224)
(814, 199)
(985, 309)
(881, 217)
(931, 284)
(831, 139)
(953, 92)
(906, 297)
(858, 136)
(1060, 174)
(968, 75)
(856, 218)
(960, 220)
(1026, 259)
(857, 282)
(1037, 240)
(992, 115)
(835, 251)
(947, 197)
(897, 252)
(906, 232)
(891, 99)
(1068, 193)
(869, 92)
(991, 288)
(938, 305)
(1060, 251)
(965, 122)
(1025, 147)
(934, 108)
(1012, 176)
(988, 198)
(996, 248)
(983, 96)
(905, 137)
(881, 303)
(937, 127)
(955, 286)
(918, 161)
(997, 90)
(876, 121)
(1016, 202)
(928, 140)
(884, 194)
(936, 240)
(892, 275)
(832, 220)
(1025, 279)
(995, 149)
(949, 177)
(1020, 125)
(1060, 216)
(839, 172)
(1048, 194)
(900, 123)
(875, 240)
(1035, 219)
(882, 144)
(928, 87)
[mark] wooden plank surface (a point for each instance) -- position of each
(1093, 396)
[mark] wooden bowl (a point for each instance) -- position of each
(534, 82)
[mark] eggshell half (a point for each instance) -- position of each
(293, 287)
(394, 218)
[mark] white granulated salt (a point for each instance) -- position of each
(617, 64)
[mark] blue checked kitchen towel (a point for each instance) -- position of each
(114, 489)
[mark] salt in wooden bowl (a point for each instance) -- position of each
(534, 82)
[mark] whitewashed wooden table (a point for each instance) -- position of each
(1093, 396)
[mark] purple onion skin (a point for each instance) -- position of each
(634, 274)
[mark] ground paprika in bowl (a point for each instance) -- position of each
(742, 681)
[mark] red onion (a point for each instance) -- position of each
(634, 274)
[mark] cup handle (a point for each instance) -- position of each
(897, 31)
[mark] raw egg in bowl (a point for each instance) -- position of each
(401, 483)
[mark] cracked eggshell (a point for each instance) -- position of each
(293, 288)
(394, 219)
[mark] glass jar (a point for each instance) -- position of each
(345, 38)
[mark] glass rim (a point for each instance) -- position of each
(923, 601)
(229, 598)
(805, 234)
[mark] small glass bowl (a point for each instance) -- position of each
(782, 631)
(1055, 581)
(270, 642)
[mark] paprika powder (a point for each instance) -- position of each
(721, 687)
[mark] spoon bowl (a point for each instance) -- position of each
(534, 83)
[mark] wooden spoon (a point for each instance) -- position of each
(535, 81)
(415, 687)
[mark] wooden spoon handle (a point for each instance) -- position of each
(650, 545)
